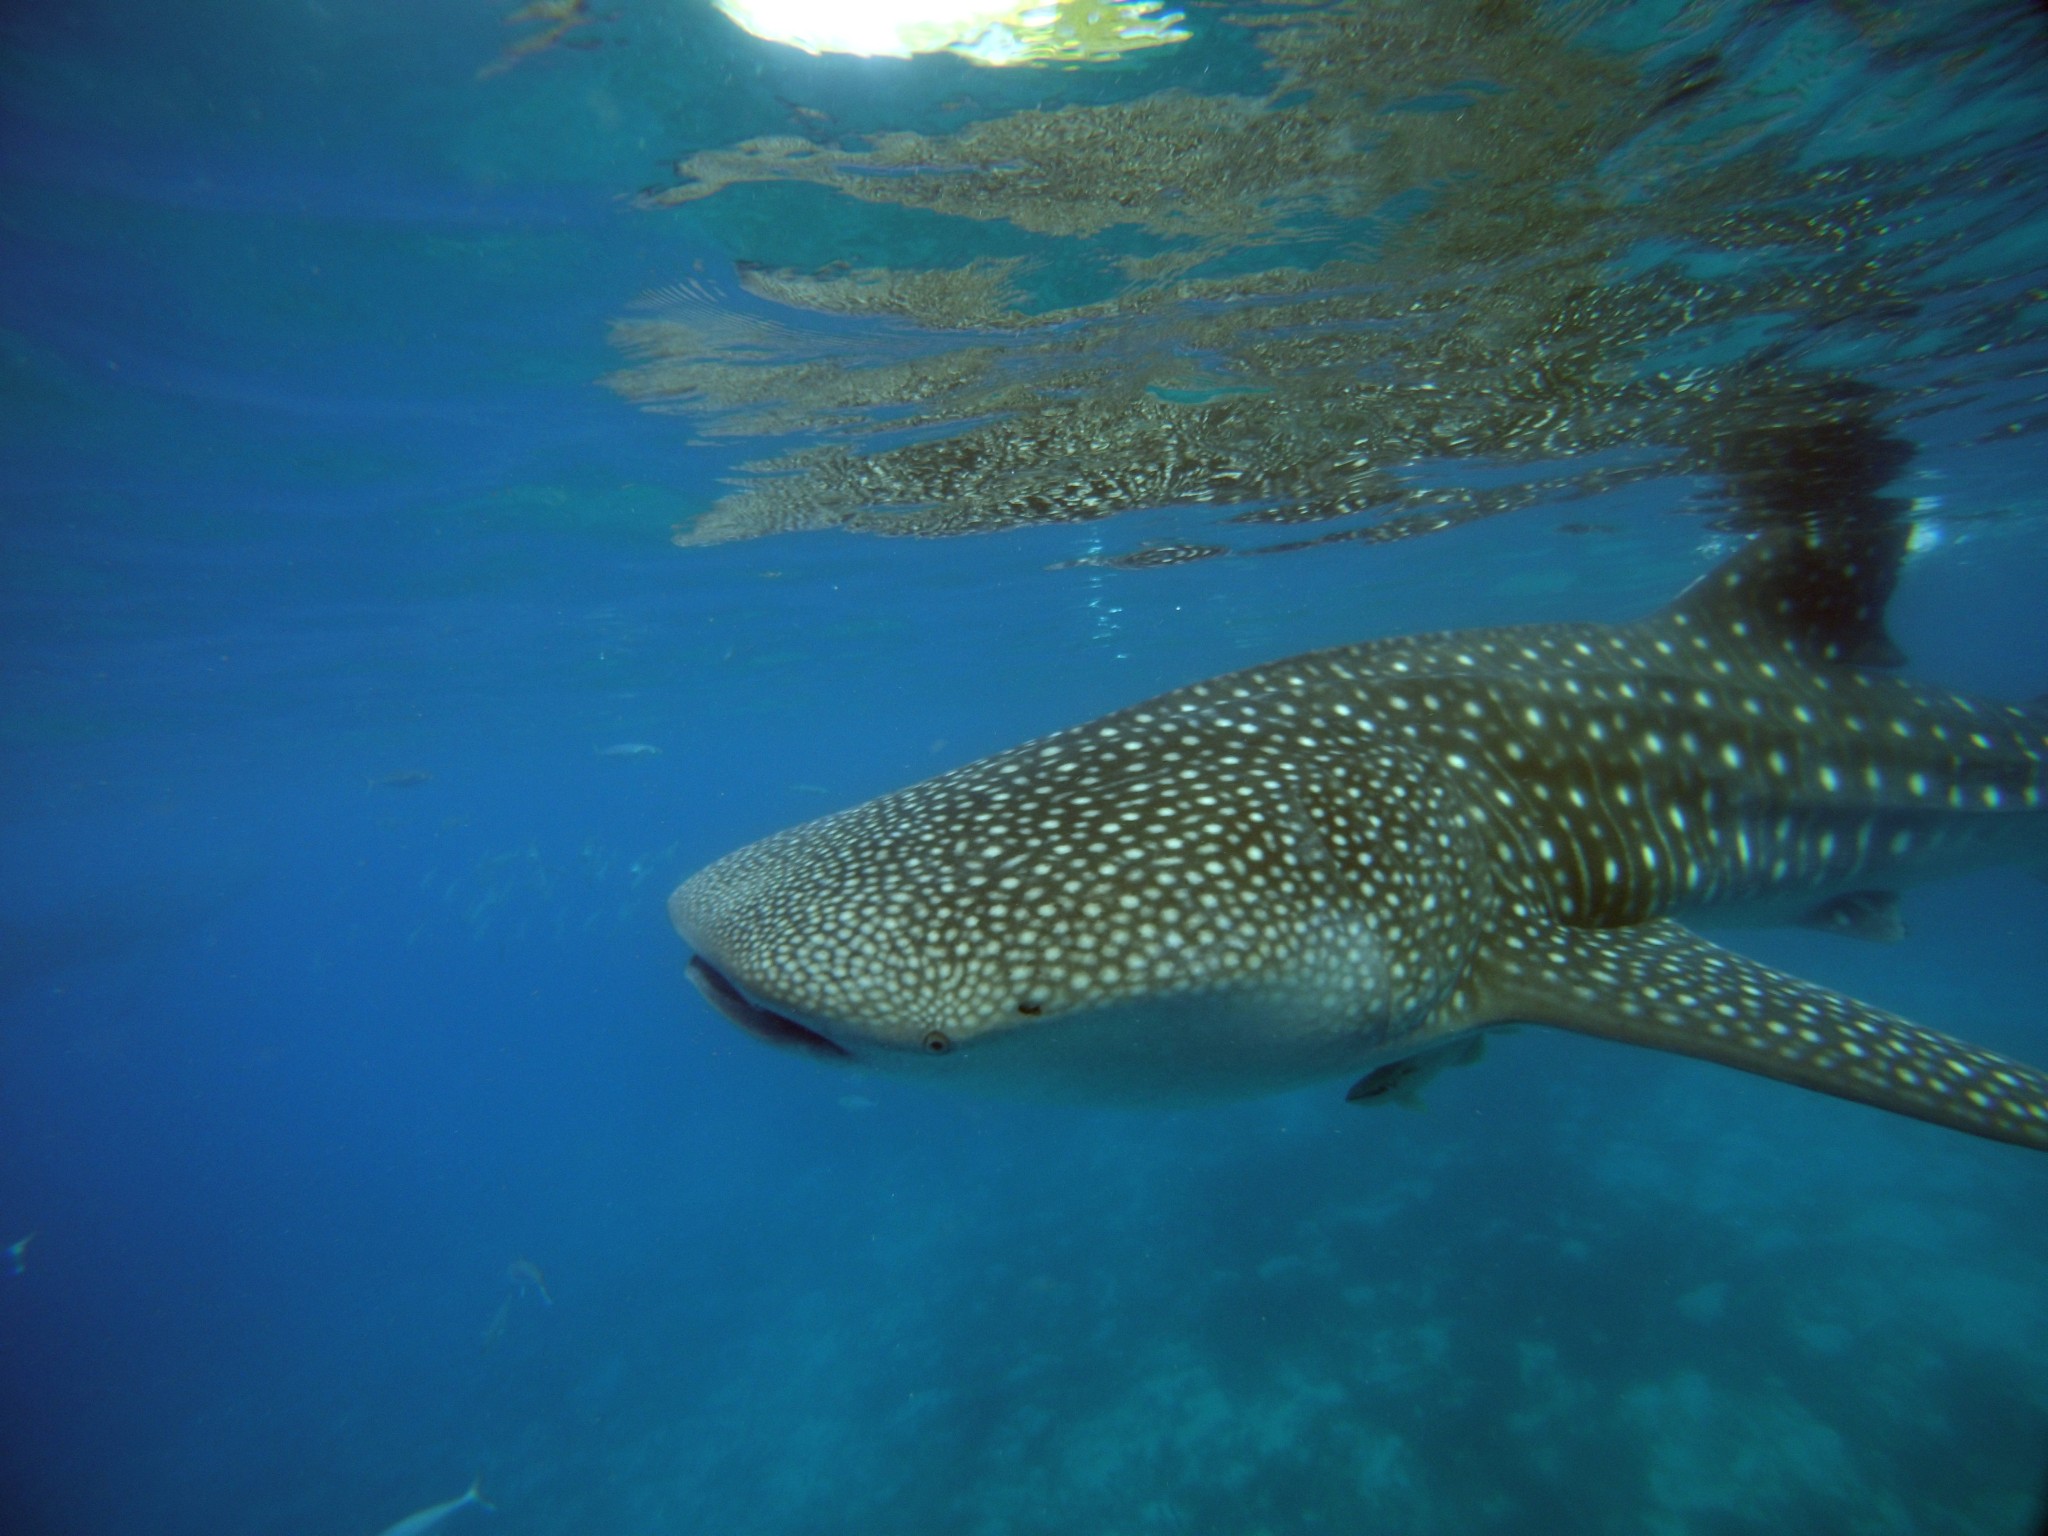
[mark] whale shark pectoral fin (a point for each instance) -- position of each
(1872, 915)
(1659, 985)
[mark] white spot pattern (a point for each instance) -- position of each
(1457, 799)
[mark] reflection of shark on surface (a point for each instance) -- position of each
(1354, 861)
(419, 1522)
(17, 1254)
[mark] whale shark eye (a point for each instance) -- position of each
(1031, 1008)
(937, 1043)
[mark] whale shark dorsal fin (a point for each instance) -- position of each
(1817, 589)
(1660, 985)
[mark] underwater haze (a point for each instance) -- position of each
(468, 466)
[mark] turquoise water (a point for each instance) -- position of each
(335, 980)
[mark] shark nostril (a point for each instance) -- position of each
(1031, 1008)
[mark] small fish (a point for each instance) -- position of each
(419, 1522)
(17, 1254)
(1147, 557)
(1401, 1082)
(555, 19)
(630, 749)
(1872, 915)
(494, 1330)
(809, 120)
(526, 1274)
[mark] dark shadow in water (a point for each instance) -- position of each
(91, 892)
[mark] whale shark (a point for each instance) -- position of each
(1355, 862)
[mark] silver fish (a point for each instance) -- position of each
(421, 1521)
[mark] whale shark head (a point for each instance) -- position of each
(1219, 893)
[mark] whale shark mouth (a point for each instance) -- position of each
(761, 1023)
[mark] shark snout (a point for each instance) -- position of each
(823, 938)
(704, 912)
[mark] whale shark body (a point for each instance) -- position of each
(1353, 862)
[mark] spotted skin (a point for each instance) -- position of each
(1326, 865)
(1660, 985)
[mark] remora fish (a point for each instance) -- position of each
(421, 1521)
(1352, 861)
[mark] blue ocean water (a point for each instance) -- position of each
(368, 1132)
